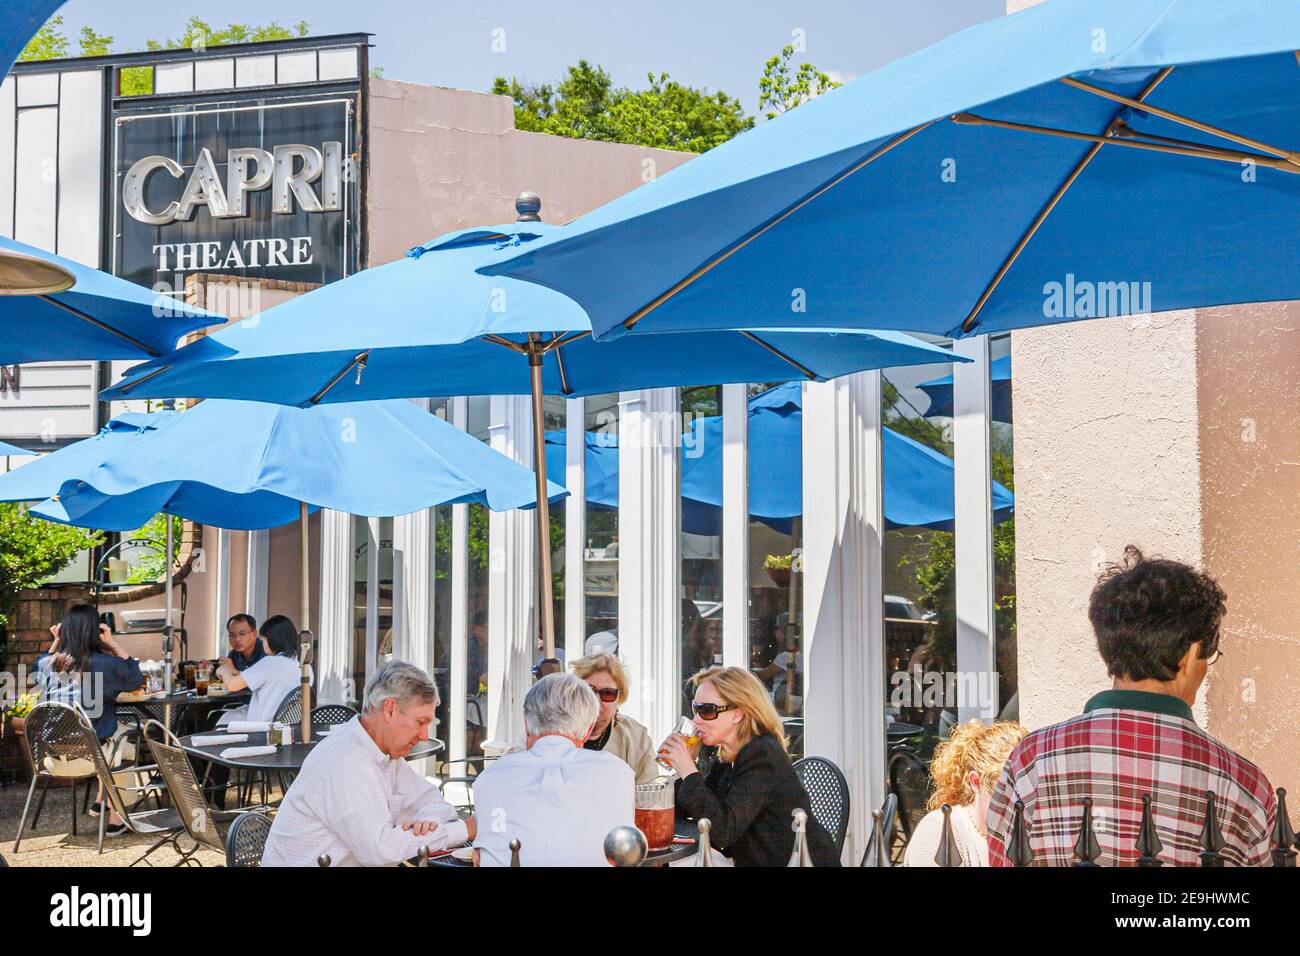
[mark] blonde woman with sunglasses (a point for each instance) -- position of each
(749, 793)
(616, 733)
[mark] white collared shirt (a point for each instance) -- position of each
(350, 802)
(559, 801)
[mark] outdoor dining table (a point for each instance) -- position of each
(684, 830)
(189, 710)
(287, 758)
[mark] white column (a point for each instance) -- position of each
(844, 663)
(412, 551)
(221, 599)
(977, 683)
(511, 588)
(257, 577)
(334, 678)
(649, 562)
(575, 528)
(735, 526)
(457, 414)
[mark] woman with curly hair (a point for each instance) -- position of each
(964, 771)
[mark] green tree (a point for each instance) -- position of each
(152, 565)
(32, 550)
(780, 90)
(585, 104)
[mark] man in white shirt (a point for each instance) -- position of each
(557, 799)
(271, 679)
(357, 800)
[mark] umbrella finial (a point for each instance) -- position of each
(529, 206)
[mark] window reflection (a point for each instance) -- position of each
(600, 554)
(701, 538)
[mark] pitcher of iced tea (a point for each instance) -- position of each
(655, 812)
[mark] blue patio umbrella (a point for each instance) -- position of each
(434, 326)
(1077, 159)
(939, 391)
(918, 480)
(253, 465)
(22, 19)
(8, 449)
(99, 317)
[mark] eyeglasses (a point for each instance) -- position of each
(607, 694)
(709, 711)
(1214, 658)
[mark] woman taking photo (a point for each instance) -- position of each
(965, 769)
(87, 668)
(750, 791)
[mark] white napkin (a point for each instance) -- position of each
(248, 726)
(230, 753)
(211, 740)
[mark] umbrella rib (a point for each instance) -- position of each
(1051, 204)
(1284, 154)
(780, 217)
(506, 343)
(803, 369)
(127, 386)
(1196, 150)
(556, 345)
(104, 326)
(358, 359)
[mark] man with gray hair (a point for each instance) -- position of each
(357, 800)
(556, 798)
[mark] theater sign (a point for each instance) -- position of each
(258, 191)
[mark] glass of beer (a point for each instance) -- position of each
(686, 727)
(655, 812)
(190, 669)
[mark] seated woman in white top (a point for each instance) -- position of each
(964, 769)
(270, 679)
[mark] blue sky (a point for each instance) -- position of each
(449, 42)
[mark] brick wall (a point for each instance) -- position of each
(38, 610)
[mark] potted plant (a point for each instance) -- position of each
(777, 567)
(14, 719)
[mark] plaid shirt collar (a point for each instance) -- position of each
(1140, 700)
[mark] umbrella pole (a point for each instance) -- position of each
(167, 629)
(545, 602)
(304, 653)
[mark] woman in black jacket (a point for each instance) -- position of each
(85, 667)
(751, 790)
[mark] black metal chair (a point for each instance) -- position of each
(909, 781)
(200, 821)
(290, 709)
(828, 792)
(246, 839)
(331, 715)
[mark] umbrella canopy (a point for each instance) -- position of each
(249, 465)
(1077, 159)
(44, 477)
(939, 391)
(437, 327)
(8, 449)
(100, 317)
(918, 481)
(22, 19)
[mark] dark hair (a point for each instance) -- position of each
(480, 619)
(281, 635)
(1147, 612)
(79, 635)
(242, 619)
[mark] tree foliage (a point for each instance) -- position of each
(780, 89)
(585, 104)
(32, 550)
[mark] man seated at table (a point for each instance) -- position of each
(245, 649)
(271, 679)
(556, 798)
(357, 800)
(1157, 624)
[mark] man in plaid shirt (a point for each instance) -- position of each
(1157, 626)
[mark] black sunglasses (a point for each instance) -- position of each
(606, 694)
(710, 711)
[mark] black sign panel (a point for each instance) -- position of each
(256, 188)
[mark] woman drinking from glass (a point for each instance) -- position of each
(751, 790)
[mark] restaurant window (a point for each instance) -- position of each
(440, 599)
(1002, 455)
(775, 554)
(372, 597)
(600, 553)
(701, 536)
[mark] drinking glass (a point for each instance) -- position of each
(686, 727)
(655, 813)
